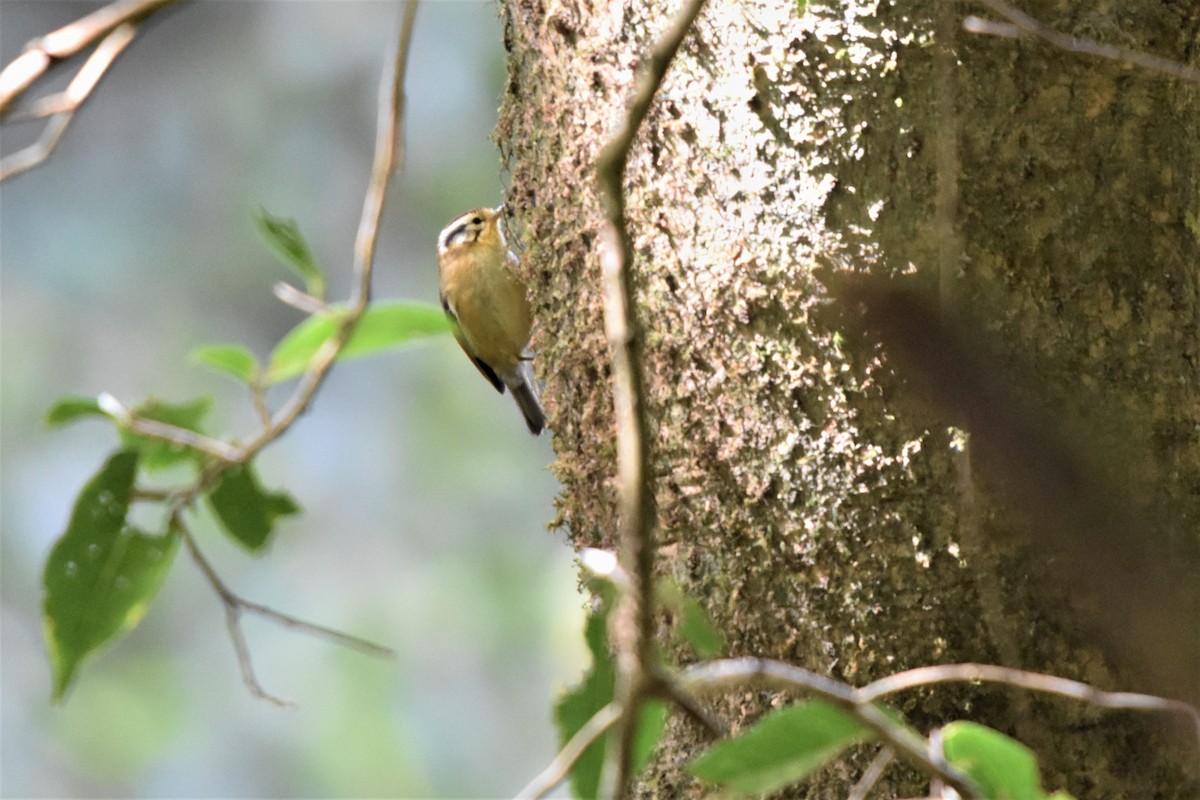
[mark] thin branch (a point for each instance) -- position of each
(861, 702)
(61, 107)
(634, 618)
(302, 301)
(389, 130)
(115, 25)
(389, 148)
(223, 451)
(69, 40)
(111, 29)
(389, 155)
(873, 773)
(85, 80)
(1020, 23)
(319, 631)
(740, 672)
(258, 398)
(236, 605)
(233, 621)
(1032, 681)
(601, 722)
(666, 688)
(558, 769)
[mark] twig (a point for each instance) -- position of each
(69, 40)
(666, 688)
(860, 702)
(554, 774)
(389, 150)
(302, 301)
(387, 143)
(235, 605)
(153, 429)
(1021, 23)
(739, 672)
(110, 29)
(874, 772)
(61, 107)
(1033, 681)
(634, 617)
(320, 631)
(233, 622)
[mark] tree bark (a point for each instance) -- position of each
(814, 490)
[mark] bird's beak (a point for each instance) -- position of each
(500, 209)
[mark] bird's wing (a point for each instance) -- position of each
(484, 369)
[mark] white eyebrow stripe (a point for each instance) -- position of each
(451, 233)
(457, 227)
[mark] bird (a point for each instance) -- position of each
(488, 306)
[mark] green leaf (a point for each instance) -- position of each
(69, 409)
(693, 623)
(698, 630)
(247, 512)
(784, 747)
(101, 574)
(594, 692)
(383, 326)
(285, 240)
(651, 723)
(156, 453)
(580, 704)
(1004, 768)
(231, 359)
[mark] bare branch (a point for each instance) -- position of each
(554, 774)
(389, 147)
(62, 106)
(110, 29)
(874, 772)
(389, 127)
(233, 621)
(320, 631)
(668, 690)
(69, 40)
(1033, 681)
(29, 157)
(182, 436)
(634, 616)
(860, 702)
(1020, 23)
(297, 299)
(84, 81)
(740, 672)
(235, 606)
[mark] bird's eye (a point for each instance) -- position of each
(476, 220)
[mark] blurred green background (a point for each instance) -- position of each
(425, 498)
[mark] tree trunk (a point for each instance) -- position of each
(810, 495)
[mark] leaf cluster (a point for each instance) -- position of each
(103, 572)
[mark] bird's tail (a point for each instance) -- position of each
(524, 391)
